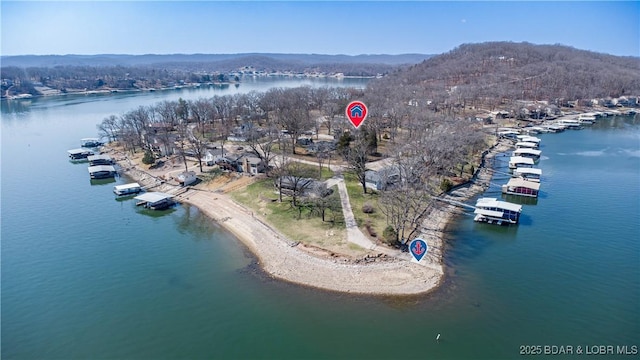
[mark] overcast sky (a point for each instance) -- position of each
(359, 27)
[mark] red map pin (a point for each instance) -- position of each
(356, 112)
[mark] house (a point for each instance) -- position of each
(246, 163)
(293, 184)
(162, 145)
(212, 156)
(382, 179)
(186, 178)
(252, 165)
(304, 141)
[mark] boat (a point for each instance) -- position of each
(528, 153)
(91, 142)
(100, 160)
(127, 189)
(79, 154)
(101, 171)
(520, 162)
(155, 200)
(494, 211)
(530, 174)
(522, 187)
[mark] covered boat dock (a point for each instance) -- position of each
(155, 200)
(101, 171)
(127, 189)
(79, 154)
(100, 160)
(519, 186)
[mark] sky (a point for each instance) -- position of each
(319, 27)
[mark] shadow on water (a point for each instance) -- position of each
(100, 182)
(520, 200)
(123, 198)
(155, 213)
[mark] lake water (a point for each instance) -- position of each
(87, 276)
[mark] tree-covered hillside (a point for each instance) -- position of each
(497, 72)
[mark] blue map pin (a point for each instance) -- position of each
(418, 249)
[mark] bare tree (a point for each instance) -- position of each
(405, 208)
(356, 157)
(109, 128)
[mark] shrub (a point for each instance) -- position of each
(446, 185)
(389, 235)
(368, 208)
(370, 229)
(148, 158)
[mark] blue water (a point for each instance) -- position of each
(86, 276)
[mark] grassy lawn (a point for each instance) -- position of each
(358, 199)
(262, 197)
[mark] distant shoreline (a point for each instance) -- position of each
(49, 92)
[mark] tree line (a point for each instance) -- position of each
(422, 145)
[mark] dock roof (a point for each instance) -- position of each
(527, 144)
(521, 160)
(495, 203)
(491, 213)
(79, 151)
(99, 157)
(518, 182)
(153, 197)
(98, 168)
(534, 171)
(535, 152)
(127, 186)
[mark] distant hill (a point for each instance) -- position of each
(507, 71)
(211, 59)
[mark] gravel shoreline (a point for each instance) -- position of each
(279, 257)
